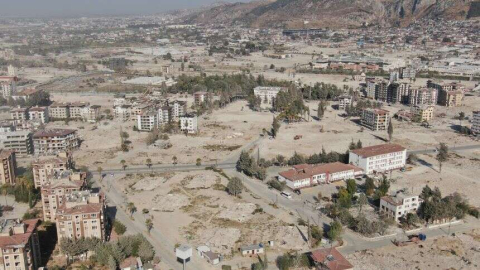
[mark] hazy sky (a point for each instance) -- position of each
(45, 8)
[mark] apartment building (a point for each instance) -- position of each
(147, 121)
(51, 167)
(79, 218)
(59, 110)
(124, 112)
(450, 98)
(8, 167)
(200, 97)
(379, 158)
(19, 245)
(8, 86)
(307, 175)
(189, 123)
(267, 94)
(39, 113)
(54, 193)
(179, 108)
(77, 109)
(476, 123)
(344, 101)
(375, 119)
(53, 141)
(399, 205)
(423, 96)
(398, 92)
(422, 113)
(119, 100)
(164, 115)
(91, 113)
(20, 114)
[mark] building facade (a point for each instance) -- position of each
(476, 122)
(39, 113)
(267, 94)
(50, 167)
(18, 141)
(81, 220)
(8, 167)
(399, 205)
(379, 158)
(19, 245)
(422, 113)
(189, 123)
(55, 140)
(375, 119)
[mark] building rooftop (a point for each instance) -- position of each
(376, 150)
(11, 238)
(53, 133)
(304, 171)
(331, 259)
(5, 153)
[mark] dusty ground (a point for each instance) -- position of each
(460, 252)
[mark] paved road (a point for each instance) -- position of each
(454, 148)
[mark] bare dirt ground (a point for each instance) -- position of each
(459, 252)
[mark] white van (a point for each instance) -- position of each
(286, 195)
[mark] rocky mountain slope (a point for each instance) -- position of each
(330, 13)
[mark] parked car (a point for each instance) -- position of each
(286, 195)
(297, 191)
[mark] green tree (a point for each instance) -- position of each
(146, 251)
(275, 127)
(131, 208)
(124, 164)
(119, 228)
(383, 188)
(335, 231)
(362, 201)
(235, 186)
(390, 130)
(199, 162)
(351, 186)
(461, 117)
(112, 264)
(369, 186)
(359, 144)
(344, 198)
(100, 170)
(174, 160)
(149, 225)
(442, 155)
(149, 163)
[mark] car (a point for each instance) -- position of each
(297, 191)
(286, 195)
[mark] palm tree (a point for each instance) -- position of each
(99, 170)
(149, 225)
(199, 162)
(149, 163)
(175, 160)
(124, 164)
(131, 208)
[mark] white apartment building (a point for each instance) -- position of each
(379, 158)
(307, 175)
(19, 141)
(147, 121)
(20, 114)
(164, 115)
(8, 86)
(267, 94)
(344, 101)
(179, 108)
(77, 109)
(55, 140)
(91, 113)
(40, 113)
(423, 96)
(189, 123)
(375, 119)
(399, 205)
(476, 123)
(124, 112)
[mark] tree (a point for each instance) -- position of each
(351, 187)
(146, 250)
(124, 164)
(235, 186)
(359, 144)
(199, 162)
(275, 127)
(369, 186)
(285, 262)
(442, 155)
(131, 208)
(461, 117)
(119, 228)
(174, 160)
(390, 130)
(149, 163)
(362, 200)
(344, 198)
(100, 170)
(322, 105)
(335, 231)
(383, 188)
(265, 260)
(149, 225)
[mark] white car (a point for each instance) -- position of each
(286, 195)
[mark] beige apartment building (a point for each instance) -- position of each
(422, 113)
(476, 122)
(79, 219)
(54, 193)
(8, 167)
(19, 141)
(19, 114)
(375, 119)
(452, 98)
(39, 113)
(19, 245)
(55, 140)
(59, 110)
(50, 167)
(76, 109)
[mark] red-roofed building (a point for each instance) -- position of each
(330, 259)
(307, 175)
(379, 158)
(19, 245)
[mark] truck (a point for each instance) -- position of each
(412, 239)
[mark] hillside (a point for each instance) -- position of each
(330, 13)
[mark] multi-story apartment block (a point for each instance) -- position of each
(179, 108)
(8, 167)
(200, 97)
(80, 219)
(189, 123)
(51, 167)
(147, 121)
(423, 96)
(77, 109)
(119, 100)
(59, 110)
(40, 113)
(164, 115)
(267, 94)
(450, 98)
(18, 141)
(55, 140)
(8, 86)
(375, 119)
(307, 175)
(19, 245)
(476, 122)
(398, 92)
(379, 158)
(409, 73)
(399, 205)
(91, 113)
(422, 113)
(124, 112)
(20, 114)
(54, 193)
(344, 101)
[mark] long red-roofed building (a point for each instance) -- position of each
(330, 259)
(379, 158)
